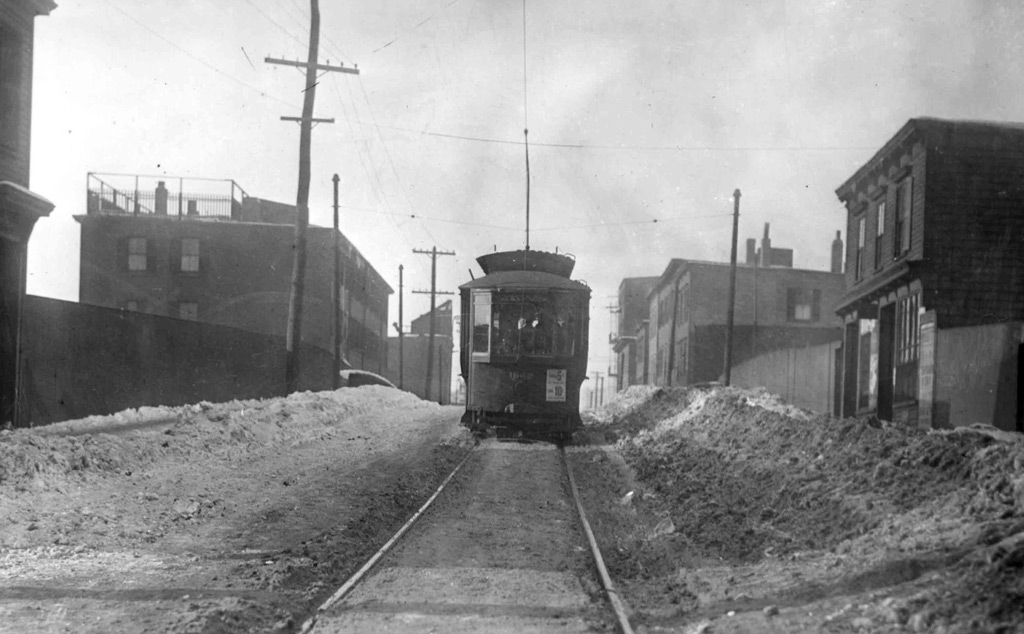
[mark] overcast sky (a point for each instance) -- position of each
(638, 111)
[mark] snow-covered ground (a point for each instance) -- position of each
(209, 517)
(719, 510)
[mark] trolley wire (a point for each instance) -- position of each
(196, 58)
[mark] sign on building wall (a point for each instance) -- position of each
(869, 335)
(926, 370)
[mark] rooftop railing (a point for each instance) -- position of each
(184, 197)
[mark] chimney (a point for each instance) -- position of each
(837, 254)
(160, 206)
(751, 251)
(766, 248)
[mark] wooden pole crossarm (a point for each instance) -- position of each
(287, 62)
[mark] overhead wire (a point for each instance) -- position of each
(198, 59)
(646, 221)
(640, 148)
(414, 28)
(326, 40)
(376, 186)
(390, 160)
(276, 23)
(387, 153)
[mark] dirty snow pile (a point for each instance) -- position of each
(46, 457)
(635, 408)
(745, 478)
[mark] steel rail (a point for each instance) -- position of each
(347, 587)
(618, 606)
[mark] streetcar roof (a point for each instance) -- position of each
(524, 279)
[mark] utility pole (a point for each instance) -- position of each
(433, 253)
(732, 287)
(399, 326)
(336, 293)
(294, 335)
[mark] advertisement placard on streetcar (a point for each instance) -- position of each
(556, 386)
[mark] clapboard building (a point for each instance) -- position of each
(934, 306)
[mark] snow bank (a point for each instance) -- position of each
(132, 439)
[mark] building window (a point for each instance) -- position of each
(137, 254)
(907, 339)
(681, 362)
(188, 310)
(858, 265)
(663, 309)
(684, 305)
(190, 255)
(904, 204)
(879, 234)
(803, 304)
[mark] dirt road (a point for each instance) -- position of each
(501, 552)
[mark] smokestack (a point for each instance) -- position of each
(837, 254)
(160, 206)
(751, 251)
(766, 248)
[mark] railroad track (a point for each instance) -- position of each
(503, 545)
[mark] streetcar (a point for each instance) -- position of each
(523, 354)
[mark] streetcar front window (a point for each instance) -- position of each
(534, 324)
(481, 323)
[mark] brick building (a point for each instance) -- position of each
(633, 309)
(934, 307)
(203, 250)
(777, 306)
(19, 206)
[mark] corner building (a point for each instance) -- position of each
(933, 312)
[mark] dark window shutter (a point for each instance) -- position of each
(122, 253)
(816, 305)
(174, 255)
(791, 299)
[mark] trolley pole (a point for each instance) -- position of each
(433, 253)
(730, 319)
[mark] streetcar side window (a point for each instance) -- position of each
(481, 323)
